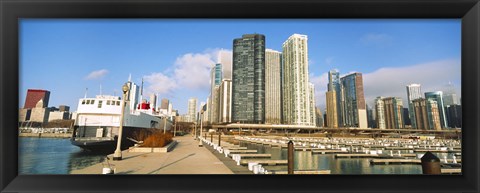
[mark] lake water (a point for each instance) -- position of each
(52, 156)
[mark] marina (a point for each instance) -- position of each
(237, 155)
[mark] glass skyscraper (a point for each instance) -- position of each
(354, 107)
(334, 85)
(438, 97)
(248, 79)
(216, 80)
(414, 91)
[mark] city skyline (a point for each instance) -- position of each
(436, 64)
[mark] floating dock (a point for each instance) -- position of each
(300, 172)
(264, 161)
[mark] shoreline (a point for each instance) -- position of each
(46, 135)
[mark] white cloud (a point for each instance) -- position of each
(225, 57)
(190, 71)
(376, 39)
(329, 60)
(98, 74)
(159, 83)
(392, 81)
(320, 83)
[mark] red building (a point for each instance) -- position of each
(35, 95)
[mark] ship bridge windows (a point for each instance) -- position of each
(100, 104)
(118, 103)
(108, 102)
(83, 102)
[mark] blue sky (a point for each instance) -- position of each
(67, 56)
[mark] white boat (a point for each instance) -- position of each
(97, 121)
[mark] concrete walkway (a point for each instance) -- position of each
(185, 158)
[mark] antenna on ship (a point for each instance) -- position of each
(130, 77)
(100, 89)
(141, 92)
(86, 90)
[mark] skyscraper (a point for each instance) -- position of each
(215, 81)
(438, 96)
(164, 104)
(414, 91)
(296, 86)
(335, 85)
(35, 95)
(248, 79)
(380, 112)
(311, 99)
(354, 107)
(454, 113)
(133, 94)
(319, 116)
(393, 113)
(153, 101)
(273, 87)
(331, 111)
(426, 114)
(226, 101)
(450, 96)
(192, 109)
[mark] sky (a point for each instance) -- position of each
(74, 57)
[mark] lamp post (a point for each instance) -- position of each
(165, 125)
(201, 128)
(118, 152)
(195, 131)
(175, 128)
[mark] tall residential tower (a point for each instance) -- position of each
(273, 87)
(297, 89)
(248, 79)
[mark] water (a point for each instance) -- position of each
(52, 156)
(305, 160)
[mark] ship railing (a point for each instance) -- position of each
(93, 139)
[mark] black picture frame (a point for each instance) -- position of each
(12, 10)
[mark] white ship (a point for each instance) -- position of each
(97, 121)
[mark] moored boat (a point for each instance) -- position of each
(97, 121)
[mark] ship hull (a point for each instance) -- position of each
(106, 144)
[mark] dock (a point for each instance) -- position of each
(303, 172)
(451, 170)
(253, 155)
(242, 151)
(264, 161)
(402, 161)
(328, 151)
